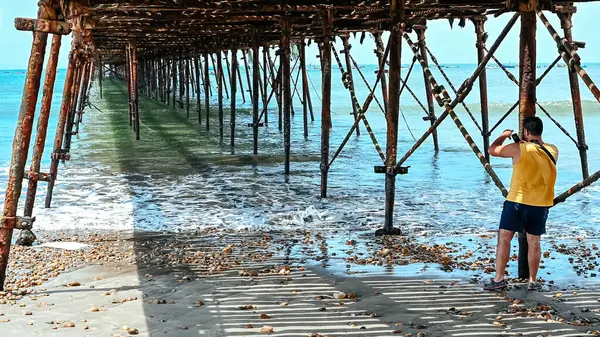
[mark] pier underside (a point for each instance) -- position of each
(182, 53)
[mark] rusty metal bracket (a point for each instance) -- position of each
(37, 176)
(582, 146)
(17, 222)
(44, 26)
(251, 125)
(393, 170)
(62, 155)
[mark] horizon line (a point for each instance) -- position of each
(365, 64)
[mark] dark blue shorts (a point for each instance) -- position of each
(518, 218)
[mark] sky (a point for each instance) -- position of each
(456, 45)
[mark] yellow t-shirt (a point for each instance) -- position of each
(534, 176)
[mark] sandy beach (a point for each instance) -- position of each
(256, 283)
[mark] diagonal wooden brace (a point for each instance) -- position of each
(576, 188)
(437, 89)
(537, 82)
(445, 102)
(570, 56)
(356, 105)
(364, 109)
(449, 105)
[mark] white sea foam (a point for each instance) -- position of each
(65, 245)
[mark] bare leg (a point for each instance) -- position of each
(502, 253)
(534, 255)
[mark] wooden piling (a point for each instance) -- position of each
(74, 103)
(34, 174)
(20, 149)
(279, 90)
(567, 25)
(265, 50)
(326, 98)
(83, 95)
(156, 79)
(206, 91)
(187, 86)
(134, 85)
(174, 74)
(219, 73)
(57, 151)
(228, 66)
(393, 112)
(483, 97)
(255, 79)
(287, 96)
(27, 237)
(164, 75)
(302, 46)
(527, 99)
(182, 78)
(197, 72)
(100, 74)
(168, 82)
(234, 72)
(128, 80)
(192, 75)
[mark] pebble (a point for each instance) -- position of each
(266, 329)
(339, 295)
(133, 331)
(94, 309)
(69, 325)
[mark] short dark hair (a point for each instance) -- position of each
(534, 125)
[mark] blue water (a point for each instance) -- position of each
(443, 194)
(11, 86)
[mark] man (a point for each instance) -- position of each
(530, 196)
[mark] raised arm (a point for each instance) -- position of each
(497, 149)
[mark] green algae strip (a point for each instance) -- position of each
(170, 142)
